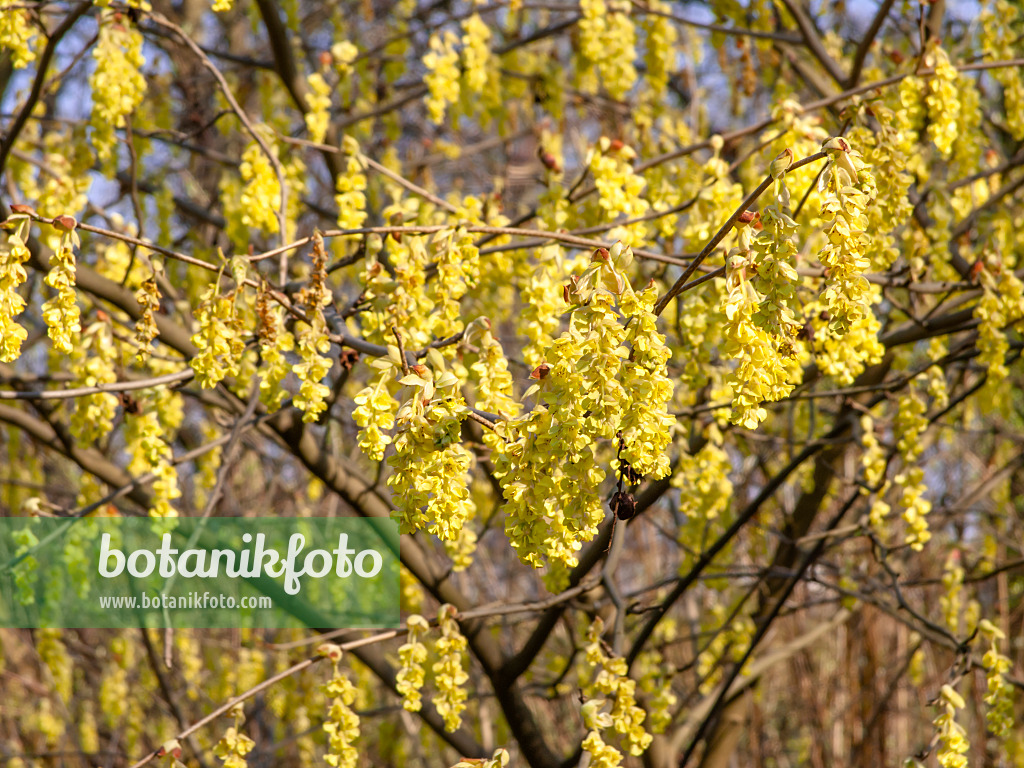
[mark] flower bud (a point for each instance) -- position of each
(781, 163)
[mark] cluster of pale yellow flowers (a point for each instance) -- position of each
(61, 312)
(341, 723)
(350, 187)
(449, 674)
(375, 409)
(910, 424)
(412, 654)
(93, 360)
(118, 86)
(313, 340)
(953, 743)
(17, 36)
(234, 745)
(430, 463)
(607, 45)
(874, 462)
(999, 694)
(13, 255)
(261, 194)
(442, 78)
(1001, 303)
(607, 676)
(274, 342)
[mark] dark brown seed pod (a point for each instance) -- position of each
(624, 505)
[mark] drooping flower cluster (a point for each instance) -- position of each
(275, 342)
(458, 269)
(17, 36)
(148, 297)
(953, 744)
(911, 423)
(93, 359)
(55, 655)
(1000, 43)
(607, 676)
(118, 86)
(313, 338)
(730, 641)
(760, 324)
(61, 312)
(449, 674)
(260, 197)
(13, 255)
(442, 78)
(646, 425)
(619, 189)
(341, 724)
(430, 464)
(218, 337)
(150, 452)
(941, 99)
(318, 101)
(843, 253)
(875, 464)
(350, 187)
(548, 469)
(494, 381)
(412, 654)
(476, 54)
(662, 37)
(607, 46)
(1002, 303)
(375, 409)
(999, 692)
(234, 745)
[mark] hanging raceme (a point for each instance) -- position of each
(909, 427)
(218, 338)
(340, 724)
(94, 359)
(843, 252)
(760, 324)
(260, 196)
(375, 409)
(429, 481)
(999, 695)
(606, 675)
(350, 187)
(118, 86)
(442, 78)
(234, 745)
(1000, 42)
(449, 674)
(17, 36)
(1001, 304)
(13, 255)
(275, 341)
(313, 338)
(412, 654)
(458, 269)
(148, 297)
(941, 98)
(476, 55)
(61, 312)
(318, 100)
(953, 743)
